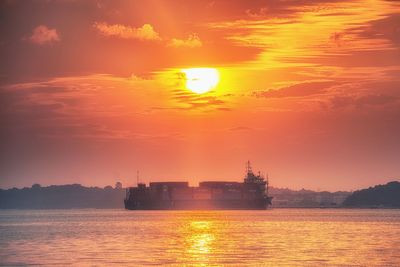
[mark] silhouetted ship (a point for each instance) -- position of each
(251, 194)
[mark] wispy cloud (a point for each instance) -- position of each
(309, 35)
(192, 41)
(146, 32)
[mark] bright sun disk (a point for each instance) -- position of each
(201, 80)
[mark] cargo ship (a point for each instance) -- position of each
(252, 193)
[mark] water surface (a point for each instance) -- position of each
(277, 237)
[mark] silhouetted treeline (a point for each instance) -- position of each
(62, 197)
(387, 195)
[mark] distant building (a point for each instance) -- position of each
(307, 198)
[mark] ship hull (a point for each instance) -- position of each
(240, 204)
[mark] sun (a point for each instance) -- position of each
(201, 80)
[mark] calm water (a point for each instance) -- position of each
(279, 237)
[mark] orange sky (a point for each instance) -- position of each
(92, 91)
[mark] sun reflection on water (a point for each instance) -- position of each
(201, 239)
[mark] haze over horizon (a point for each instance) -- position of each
(92, 91)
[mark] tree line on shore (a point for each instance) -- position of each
(62, 197)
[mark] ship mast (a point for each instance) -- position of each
(248, 167)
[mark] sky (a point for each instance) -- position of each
(92, 91)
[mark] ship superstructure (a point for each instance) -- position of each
(252, 193)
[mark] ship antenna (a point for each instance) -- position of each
(137, 177)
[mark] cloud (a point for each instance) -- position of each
(42, 35)
(191, 101)
(387, 28)
(146, 32)
(192, 41)
(70, 107)
(297, 90)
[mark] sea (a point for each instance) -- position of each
(274, 237)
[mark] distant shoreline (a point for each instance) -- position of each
(76, 196)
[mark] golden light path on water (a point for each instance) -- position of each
(279, 237)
